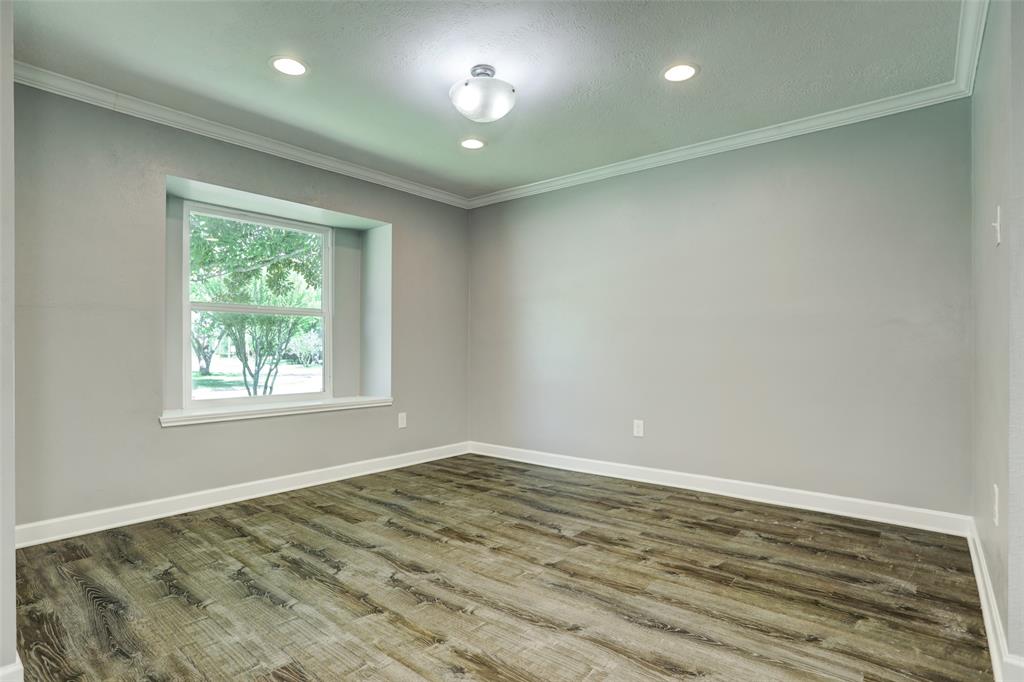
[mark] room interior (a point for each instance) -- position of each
(512, 340)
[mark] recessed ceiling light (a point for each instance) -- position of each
(681, 72)
(472, 143)
(288, 66)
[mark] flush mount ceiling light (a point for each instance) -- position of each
(288, 66)
(472, 143)
(680, 72)
(482, 97)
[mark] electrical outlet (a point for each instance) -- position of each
(401, 420)
(995, 503)
(998, 225)
(638, 428)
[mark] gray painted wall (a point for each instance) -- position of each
(90, 316)
(990, 132)
(796, 313)
(1016, 464)
(8, 636)
(1015, 215)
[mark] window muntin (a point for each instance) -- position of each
(257, 308)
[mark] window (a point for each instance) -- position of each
(273, 308)
(257, 308)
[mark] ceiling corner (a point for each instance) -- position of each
(968, 43)
(59, 84)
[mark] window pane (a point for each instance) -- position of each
(232, 261)
(239, 355)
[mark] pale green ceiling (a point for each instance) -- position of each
(588, 74)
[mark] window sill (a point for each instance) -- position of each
(235, 413)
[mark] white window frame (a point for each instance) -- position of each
(325, 312)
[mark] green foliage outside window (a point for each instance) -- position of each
(239, 262)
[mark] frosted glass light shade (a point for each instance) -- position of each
(483, 98)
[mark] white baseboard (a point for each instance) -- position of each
(885, 512)
(102, 519)
(12, 672)
(1006, 666)
(1013, 668)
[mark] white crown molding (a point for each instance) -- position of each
(968, 41)
(1005, 666)
(27, 534)
(833, 119)
(33, 76)
(969, 36)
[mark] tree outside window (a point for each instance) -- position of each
(257, 302)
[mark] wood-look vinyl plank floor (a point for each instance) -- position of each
(478, 568)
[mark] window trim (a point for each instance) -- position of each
(256, 404)
(227, 414)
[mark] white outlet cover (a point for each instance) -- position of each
(638, 428)
(401, 420)
(995, 503)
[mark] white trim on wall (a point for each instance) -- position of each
(968, 42)
(884, 512)
(1006, 667)
(325, 311)
(12, 672)
(812, 124)
(968, 49)
(26, 74)
(969, 36)
(101, 519)
(230, 413)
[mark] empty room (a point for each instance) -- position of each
(549, 340)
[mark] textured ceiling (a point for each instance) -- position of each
(588, 75)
